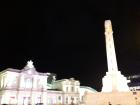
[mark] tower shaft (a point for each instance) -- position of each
(110, 48)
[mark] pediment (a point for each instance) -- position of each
(30, 71)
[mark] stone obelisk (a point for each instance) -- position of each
(114, 80)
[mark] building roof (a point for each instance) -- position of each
(20, 71)
(71, 79)
(89, 88)
(12, 70)
(61, 80)
(29, 67)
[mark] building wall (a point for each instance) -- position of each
(27, 86)
(55, 97)
(21, 87)
(70, 88)
(83, 90)
(114, 98)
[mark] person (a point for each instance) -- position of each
(109, 103)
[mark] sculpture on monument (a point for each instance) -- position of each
(114, 80)
(30, 64)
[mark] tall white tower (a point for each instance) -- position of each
(114, 80)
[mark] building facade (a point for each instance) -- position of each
(29, 87)
(26, 86)
(70, 90)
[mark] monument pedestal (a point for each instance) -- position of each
(114, 81)
(114, 98)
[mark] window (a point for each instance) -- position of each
(72, 98)
(59, 97)
(77, 99)
(12, 82)
(72, 89)
(82, 98)
(39, 100)
(66, 89)
(40, 84)
(77, 89)
(28, 83)
(66, 100)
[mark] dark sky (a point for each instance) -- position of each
(67, 37)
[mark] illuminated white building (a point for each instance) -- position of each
(70, 89)
(26, 86)
(67, 92)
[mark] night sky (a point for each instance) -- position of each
(67, 37)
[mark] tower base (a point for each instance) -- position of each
(114, 81)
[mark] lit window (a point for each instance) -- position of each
(29, 83)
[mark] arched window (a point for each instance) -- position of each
(28, 83)
(72, 89)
